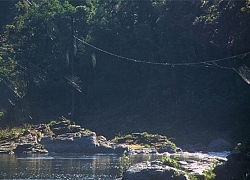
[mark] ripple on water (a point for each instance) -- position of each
(222, 154)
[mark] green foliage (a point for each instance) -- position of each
(123, 138)
(87, 131)
(209, 174)
(173, 145)
(124, 162)
(68, 120)
(4, 132)
(144, 139)
(146, 145)
(34, 45)
(243, 147)
(170, 161)
(52, 122)
(192, 177)
(128, 136)
(11, 133)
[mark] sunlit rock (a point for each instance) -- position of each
(85, 143)
(153, 170)
(29, 148)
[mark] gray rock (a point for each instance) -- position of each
(85, 143)
(194, 148)
(193, 163)
(142, 151)
(220, 145)
(20, 148)
(69, 144)
(167, 148)
(154, 170)
(29, 148)
(60, 124)
(74, 128)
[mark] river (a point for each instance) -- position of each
(68, 166)
(63, 166)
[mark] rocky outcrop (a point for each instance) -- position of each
(145, 143)
(216, 145)
(63, 127)
(154, 170)
(24, 142)
(29, 148)
(60, 137)
(65, 137)
(193, 163)
(81, 143)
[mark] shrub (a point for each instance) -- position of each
(52, 122)
(243, 147)
(208, 174)
(169, 161)
(124, 162)
(87, 131)
(146, 145)
(12, 133)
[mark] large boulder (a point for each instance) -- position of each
(85, 143)
(29, 148)
(154, 170)
(220, 145)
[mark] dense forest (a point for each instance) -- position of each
(177, 68)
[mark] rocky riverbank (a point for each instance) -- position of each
(58, 137)
(178, 166)
(67, 137)
(193, 167)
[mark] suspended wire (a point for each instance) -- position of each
(112, 54)
(15, 92)
(29, 2)
(75, 82)
(211, 63)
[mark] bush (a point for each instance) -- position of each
(169, 161)
(52, 122)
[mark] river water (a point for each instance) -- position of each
(63, 166)
(69, 166)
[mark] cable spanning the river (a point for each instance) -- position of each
(211, 63)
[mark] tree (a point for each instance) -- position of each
(225, 23)
(35, 44)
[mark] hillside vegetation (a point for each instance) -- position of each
(177, 68)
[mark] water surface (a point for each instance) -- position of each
(73, 166)
(63, 166)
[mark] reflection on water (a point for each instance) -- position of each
(62, 166)
(73, 166)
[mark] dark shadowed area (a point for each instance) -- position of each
(176, 68)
